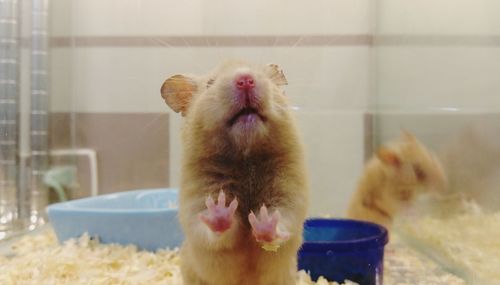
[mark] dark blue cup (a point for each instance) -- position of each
(339, 249)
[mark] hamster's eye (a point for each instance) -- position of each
(419, 172)
(210, 82)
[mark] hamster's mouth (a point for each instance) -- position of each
(247, 114)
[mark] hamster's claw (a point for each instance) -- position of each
(265, 228)
(218, 217)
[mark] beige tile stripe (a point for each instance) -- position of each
(436, 40)
(212, 41)
(273, 41)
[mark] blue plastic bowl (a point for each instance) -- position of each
(145, 218)
(343, 249)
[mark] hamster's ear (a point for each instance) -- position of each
(389, 157)
(177, 91)
(276, 74)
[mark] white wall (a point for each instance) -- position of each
(128, 79)
(437, 66)
(436, 57)
(438, 17)
(427, 55)
(441, 53)
(168, 17)
(329, 83)
(98, 78)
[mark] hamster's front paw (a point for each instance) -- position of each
(266, 230)
(218, 217)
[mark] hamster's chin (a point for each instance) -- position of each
(246, 117)
(246, 121)
(248, 130)
(247, 124)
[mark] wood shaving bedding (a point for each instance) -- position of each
(405, 266)
(468, 241)
(38, 259)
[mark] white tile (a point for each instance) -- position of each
(327, 78)
(417, 78)
(479, 17)
(335, 155)
(128, 79)
(134, 17)
(161, 17)
(287, 17)
(61, 17)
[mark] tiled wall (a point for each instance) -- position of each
(406, 60)
(437, 66)
(438, 54)
(112, 57)
(443, 17)
(198, 17)
(343, 59)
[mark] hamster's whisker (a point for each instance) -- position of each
(301, 37)
(219, 51)
(145, 128)
(181, 53)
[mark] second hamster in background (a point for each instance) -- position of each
(244, 194)
(393, 178)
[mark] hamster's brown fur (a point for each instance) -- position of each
(262, 167)
(393, 178)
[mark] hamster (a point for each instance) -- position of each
(244, 193)
(393, 178)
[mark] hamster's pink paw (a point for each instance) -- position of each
(218, 217)
(265, 228)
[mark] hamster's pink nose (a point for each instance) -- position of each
(245, 82)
